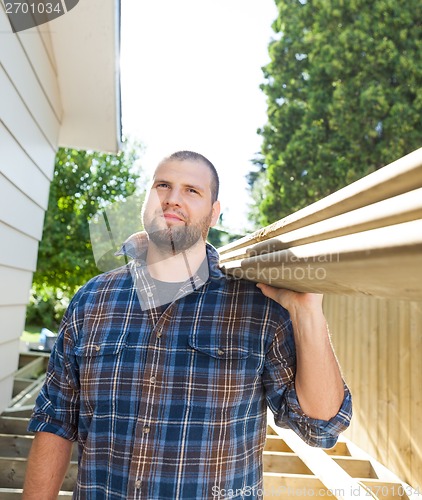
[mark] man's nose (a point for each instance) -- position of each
(173, 197)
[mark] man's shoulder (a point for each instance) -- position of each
(119, 278)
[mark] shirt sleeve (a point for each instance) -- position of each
(57, 406)
(279, 377)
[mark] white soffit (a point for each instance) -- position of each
(86, 44)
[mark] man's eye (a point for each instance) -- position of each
(162, 185)
(191, 190)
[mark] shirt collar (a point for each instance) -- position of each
(136, 247)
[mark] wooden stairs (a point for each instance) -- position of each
(291, 468)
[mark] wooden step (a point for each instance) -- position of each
(279, 461)
(356, 468)
(276, 443)
(18, 446)
(16, 494)
(14, 425)
(12, 474)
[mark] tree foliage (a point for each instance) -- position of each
(84, 183)
(344, 98)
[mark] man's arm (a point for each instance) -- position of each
(318, 382)
(47, 465)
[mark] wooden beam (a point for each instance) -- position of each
(331, 475)
(12, 474)
(16, 494)
(384, 262)
(403, 208)
(18, 446)
(276, 443)
(279, 461)
(13, 425)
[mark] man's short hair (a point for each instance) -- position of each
(192, 156)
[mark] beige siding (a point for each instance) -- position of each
(379, 346)
(30, 114)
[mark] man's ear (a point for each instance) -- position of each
(216, 209)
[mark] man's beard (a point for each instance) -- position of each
(177, 238)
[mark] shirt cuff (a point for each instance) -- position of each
(316, 432)
(44, 423)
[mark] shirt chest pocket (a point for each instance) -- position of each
(221, 371)
(100, 365)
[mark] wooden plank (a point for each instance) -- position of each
(12, 474)
(18, 446)
(15, 446)
(356, 468)
(276, 443)
(382, 396)
(392, 339)
(6, 387)
(29, 395)
(27, 76)
(326, 469)
(278, 461)
(381, 262)
(288, 486)
(339, 449)
(16, 494)
(416, 392)
(23, 127)
(27, 357)
(20, 384)
(21, 412)
(396, 178)
(26, 216)
(403, 208)
(403, 396)
(21, 171)
(33, 369)
(21, 250)
(372, 385)
(385, 490)
(13, 425)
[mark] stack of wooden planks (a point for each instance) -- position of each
(363, 239)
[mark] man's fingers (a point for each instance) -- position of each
(271, 292)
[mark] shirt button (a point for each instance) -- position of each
(146, 429)
(220, 352)
(159, 332)
(97, 348)
(153, 380)
(138, 484)
(149, 294)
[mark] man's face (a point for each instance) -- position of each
(178, 211)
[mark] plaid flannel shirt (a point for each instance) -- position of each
(171, 404)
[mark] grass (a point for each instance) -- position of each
(31, 333)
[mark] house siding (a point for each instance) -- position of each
(30, 114)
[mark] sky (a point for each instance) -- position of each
(190, 73)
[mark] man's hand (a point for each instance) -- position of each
(293, 301)
(318, 381)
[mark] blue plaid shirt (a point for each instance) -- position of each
(171, 403)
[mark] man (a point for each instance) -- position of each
(164, 368)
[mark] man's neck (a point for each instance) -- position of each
(164, 266)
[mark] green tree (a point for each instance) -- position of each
(344, 98)
(84, 183)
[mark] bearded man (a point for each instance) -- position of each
(164, 369)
